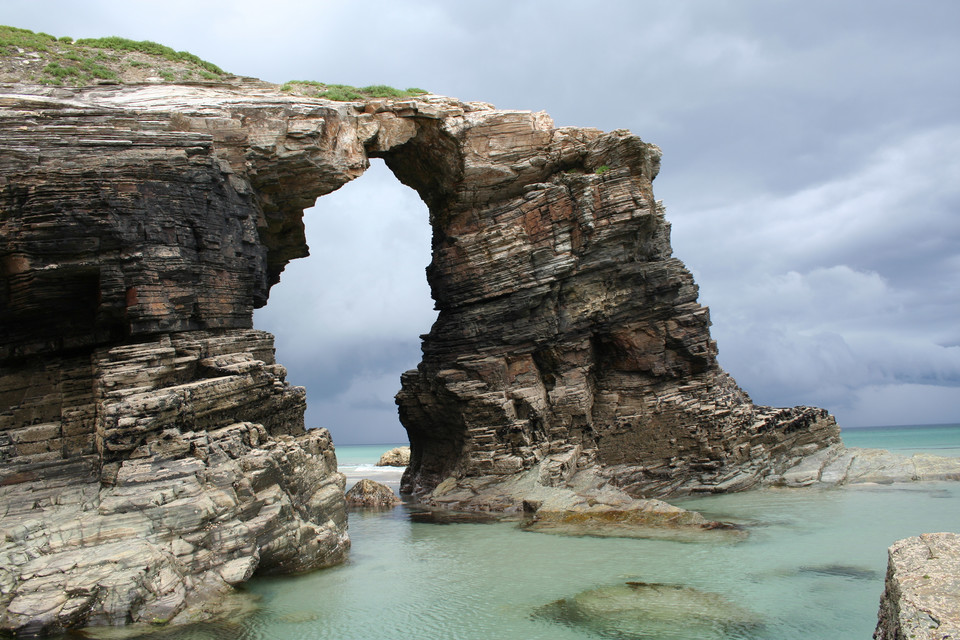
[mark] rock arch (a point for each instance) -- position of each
(565, 324)
(140, 227)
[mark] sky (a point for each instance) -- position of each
(811, 173)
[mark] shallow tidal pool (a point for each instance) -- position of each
(812, 567)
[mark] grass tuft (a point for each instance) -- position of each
(346, 92)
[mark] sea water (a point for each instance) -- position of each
(811, 566)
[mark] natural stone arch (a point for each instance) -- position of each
(565, 326)
(570, 366)
(567, 334)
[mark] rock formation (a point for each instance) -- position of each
(921, 598)
(367, 493)
(146, 430)
(396, 457)
(153, 454)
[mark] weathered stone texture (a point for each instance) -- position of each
(921, 599)
(161, 498)
(396, 457)
(565, 321)
(367, 493)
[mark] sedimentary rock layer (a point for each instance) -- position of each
(135, 487)
(566, 325)
(153, 453)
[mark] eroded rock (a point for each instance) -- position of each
(368, 493)
(921, 598)
(396, 457)
(653, 519)
(169, 502)
(838, 465)
(148, 435)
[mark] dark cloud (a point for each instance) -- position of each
(810, 160)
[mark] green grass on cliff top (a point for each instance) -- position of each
(41, 58)
(347, 93)
(26, 56)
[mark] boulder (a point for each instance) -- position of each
(396, 457)
(921, 598)
(367, 493)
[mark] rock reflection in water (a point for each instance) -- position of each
(427, 515)
(692, 527)
(650, 611)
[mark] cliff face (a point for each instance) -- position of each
(153, 454)
(143, 417)
(567, 331)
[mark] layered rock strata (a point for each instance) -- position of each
(155, 491)
(153, 453)
(566, 326)
(141, 225)
(841, 466)
(921, 598)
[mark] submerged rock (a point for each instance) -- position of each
(429, 515)
(653, 519)
(921, 598)
(842, 571)
(396, 457)
(651, 611)
(367, 493)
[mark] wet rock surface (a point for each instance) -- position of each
(838, 465)
(654, 520)
(921, 598)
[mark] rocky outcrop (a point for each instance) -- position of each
(153, 453)
(921, 598)
(840, 466)
(566, 325)
(367, 493)
(145, 427)
(148, 497)
(396, 457)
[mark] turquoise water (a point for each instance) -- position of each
(352, 455)
(940, 439)
(811, 567)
